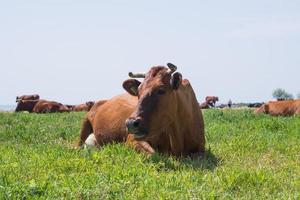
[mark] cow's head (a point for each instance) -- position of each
(89, 104)
(262, 109)
(25, 105)
(20, 105)
(156, 100)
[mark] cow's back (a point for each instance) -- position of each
(108, 118)
(40, 106)
(284, 108)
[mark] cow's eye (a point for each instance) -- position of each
(161, 92)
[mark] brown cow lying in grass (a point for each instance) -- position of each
(40, 106)
(280, 108)
(84, 107)
(44, 106)
(160, 114)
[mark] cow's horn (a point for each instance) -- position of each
(172, 68)
(137, 75)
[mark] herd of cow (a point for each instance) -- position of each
(33, 103)
(159, 113)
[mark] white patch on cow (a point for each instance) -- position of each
(90, 141)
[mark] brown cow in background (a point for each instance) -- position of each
(211, 100)
(84, 107)
(280, 108)
(27, 97)
(44, 106)
(165, 117)
(40, 106)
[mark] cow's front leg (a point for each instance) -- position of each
(140, 146)
(143, 146)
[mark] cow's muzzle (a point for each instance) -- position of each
(136, 127)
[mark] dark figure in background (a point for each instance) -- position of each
(255, 105)
(229, 103)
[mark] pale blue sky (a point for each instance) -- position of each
(74, 51)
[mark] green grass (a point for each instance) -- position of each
(249, 157)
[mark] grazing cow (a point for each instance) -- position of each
(44, 106)
(211, 100)
(161, 114)
(84, 107)
(26, 105)
(27, 97)
(280, 108)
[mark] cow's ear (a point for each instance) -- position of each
(176, 80)
(131, 86)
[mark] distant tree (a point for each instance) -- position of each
(281, 94)
(298, 95)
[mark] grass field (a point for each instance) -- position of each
(249, 157)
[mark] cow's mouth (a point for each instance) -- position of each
(138, 135)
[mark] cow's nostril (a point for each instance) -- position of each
(136, 123)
